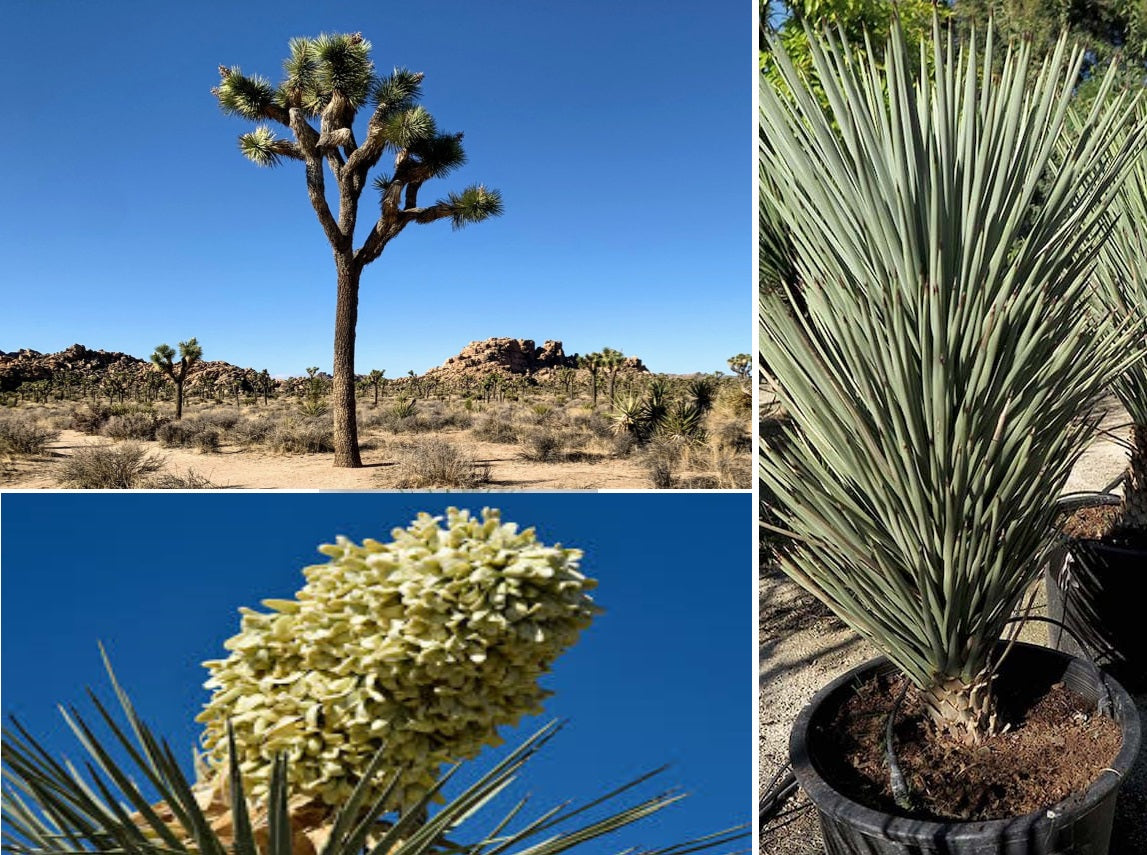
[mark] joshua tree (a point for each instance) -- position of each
(374, 380)
(592, 362)
(328, 79)
(189, 353)
(266, 384)
(741, 365)
(611, 361)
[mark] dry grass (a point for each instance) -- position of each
(109, 467)
(436, 463)
(24, 436)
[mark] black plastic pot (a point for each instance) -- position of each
(1095, 590)
(1079, 825)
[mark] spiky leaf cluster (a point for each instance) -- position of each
(939, 355)
(318, 67)
(426, 644)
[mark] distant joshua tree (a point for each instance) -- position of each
(592, 362)
(611, 361)
(741, 365)
(374, 380)
(329, 79)
(189, 353)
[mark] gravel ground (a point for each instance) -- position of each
(803, 646)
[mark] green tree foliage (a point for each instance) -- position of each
(1105, 29)
(164, 359)
(328, 80)
(789, 24)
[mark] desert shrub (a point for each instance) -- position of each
(90, 418)
(623, 445)
(207, 441)
(180, 434)
(253, 431)
(442, 417)
(24, 436)
(137, 425)
(437, 463)
(732, 436)
(495, 427)
(662, 460)
(304, 436)
(109, 467)
(190, 481)
(223, 420)
(541, 446)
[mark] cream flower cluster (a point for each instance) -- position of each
(426, 644)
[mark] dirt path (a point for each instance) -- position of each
(803, 646)
(237, 468)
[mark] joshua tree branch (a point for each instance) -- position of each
(429, 214)
(307, 139)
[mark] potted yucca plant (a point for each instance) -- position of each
(1094, 580)
(930, 349)
(340, 715)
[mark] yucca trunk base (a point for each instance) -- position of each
(963, 711)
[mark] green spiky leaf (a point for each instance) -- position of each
(440, 154)
(473, 205)
(262, 147)
(249, 97)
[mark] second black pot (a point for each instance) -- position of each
(1095, 590)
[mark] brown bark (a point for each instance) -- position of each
(342, 391)
(178, 400)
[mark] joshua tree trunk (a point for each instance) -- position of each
(342, 391)
(178, 400)
(1135, 488)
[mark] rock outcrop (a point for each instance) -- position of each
(514, 357)
(30, 366)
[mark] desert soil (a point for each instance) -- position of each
(803, 647)
(237, 468)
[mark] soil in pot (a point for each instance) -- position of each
(1096, 522)
(1055, 745)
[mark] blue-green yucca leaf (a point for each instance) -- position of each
(50, 809)
(936, 359)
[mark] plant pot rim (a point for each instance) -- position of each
(877, 823)
(1075, 501)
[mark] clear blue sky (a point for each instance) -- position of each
(664, 675)
(620, 134)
